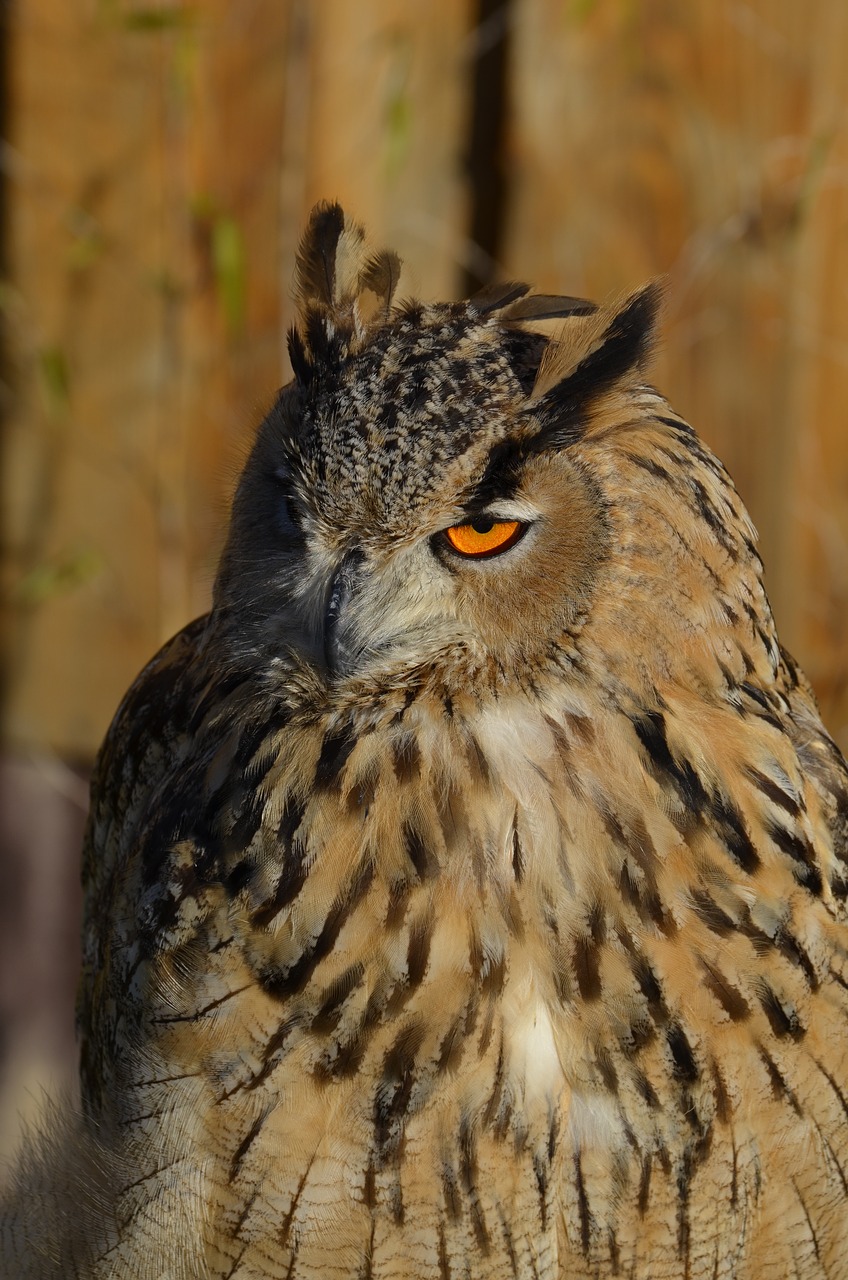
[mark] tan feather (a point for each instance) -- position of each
(578, 341)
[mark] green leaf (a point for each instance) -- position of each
(157, 19)
(228, 260)
(53, 370)
(46, 581)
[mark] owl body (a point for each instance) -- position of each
(466, 891)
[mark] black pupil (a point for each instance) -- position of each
(483, 524)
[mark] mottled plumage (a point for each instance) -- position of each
(469, 917)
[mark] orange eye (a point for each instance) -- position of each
(484, 536)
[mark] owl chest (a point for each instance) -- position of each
(401, 1095)
(412, 1141)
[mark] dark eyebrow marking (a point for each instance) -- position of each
(502, 475)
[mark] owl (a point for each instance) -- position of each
(466, 891)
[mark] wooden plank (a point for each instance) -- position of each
(79, 439)
(377, 118)
(144, 241)
(154, 221)
(687, 140)
(817, 559)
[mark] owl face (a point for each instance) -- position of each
(400, 507)
(455, 487)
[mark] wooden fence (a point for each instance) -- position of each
(162, 158)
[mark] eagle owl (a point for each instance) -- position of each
(465, 892)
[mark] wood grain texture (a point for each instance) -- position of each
(707, 142)
(153, 219)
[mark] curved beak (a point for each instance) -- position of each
(340, 649)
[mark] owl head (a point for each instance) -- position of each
(486, 490)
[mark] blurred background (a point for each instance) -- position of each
(157, 165)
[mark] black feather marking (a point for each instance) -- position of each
(652, 991)
(734, 833)
(249, 810)
(810, 1224)
(444, 1260)
(517, 857)
(417, 852)
(684, 1187)
(393, 1095)
(315, 267)
(452, 1045)
(294, 870)
(685, 1066)
(283, 1236)
(494, 297)
(509, 1243)
(722, 1101)
(452, 1197)
(500, 478)
(243, 1148)
(469, 1173)
(783, 1022)
(281, 984)
(732, 1001)
(843, 1101)
(300, 362)
(780, 1087)
(335, 751)
(406, 757)
(645, 1089)
(622, 348)
(548, 306)
(271, 1055)
(710, 913)
(582, 1205)
(238, 877)
(791, 948)
(328, 343)
(606, 1069)
(644, 1186)
(651, 732)
(585, 960)
(334, 997)
(774, 792)
(418, 952)
(399, 891)
(541, 1173)
(797, 847)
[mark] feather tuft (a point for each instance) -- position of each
(589, 356)
(494, 297)
(378, 284)
(315, 266)
(341, 291)
(546, 306)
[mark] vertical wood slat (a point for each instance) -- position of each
(153, 236)
(167, 325)
(817, 506)
(79, 474)
(707, 141)
(381, 126)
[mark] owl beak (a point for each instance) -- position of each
(340, 648)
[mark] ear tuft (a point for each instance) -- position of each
(341, 291)
(494, 297)
(546, 306)
(315, 266)
(378, 285)
(589, 357)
